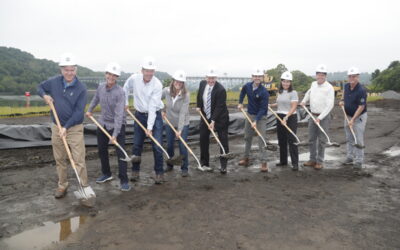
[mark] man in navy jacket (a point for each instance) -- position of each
(68, 95)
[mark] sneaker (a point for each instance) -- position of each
(348, 162)
(159, 179)
(135, 176)
(125, 187)
(357, 166)
(184, 174)
(104, 178)
(60, 193)
(295, 168)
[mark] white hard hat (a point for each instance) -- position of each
(148, 63)
(180, 75)
(287, 76)
(113, 68)
(321, 69)
(211, 72)
(257, 72)
(353, 71)
(67, 59)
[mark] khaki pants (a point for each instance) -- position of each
(77, 145)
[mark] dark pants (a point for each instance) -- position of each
(182, 149)
(102, 145)
(140, 136)
(285, 138)
(205, 143)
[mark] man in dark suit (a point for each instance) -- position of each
(211, 101)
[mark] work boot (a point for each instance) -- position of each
(159, 179)
(135, 176)
(60, 193)
(280, 164)
(244, 162)
(309, 164)
(264, 167)
(318, 166)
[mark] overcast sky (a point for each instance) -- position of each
(194, 35)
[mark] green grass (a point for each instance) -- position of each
(374, 98)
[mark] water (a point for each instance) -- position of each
(35, 100)
(45, 235)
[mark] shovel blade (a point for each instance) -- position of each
(271, 147)
(226, 156)
(176, 160)
(359, 146)
(333, 144)
(86, 196)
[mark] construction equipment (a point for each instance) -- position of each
(85, 195)
(267, 145)
(269, 85)
(287, 127)
(134, 158)
(224, 154)
(170, 161)
(352, 131)
(205, 168)
(329, 143)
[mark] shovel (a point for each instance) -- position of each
(352, 131)
(224, 154)
(199, 167)
(85, 195)
(134, 158)
(334, 144)
(267, 145)
(171, 161)
(287, 127)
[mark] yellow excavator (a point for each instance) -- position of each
(338, 87)
(271, 86)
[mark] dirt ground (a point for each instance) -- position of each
(335, 208)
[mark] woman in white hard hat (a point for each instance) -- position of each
(287, 104)
(177, 99)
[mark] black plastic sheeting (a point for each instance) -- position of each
(26, 136)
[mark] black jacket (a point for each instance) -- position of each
(219, 110)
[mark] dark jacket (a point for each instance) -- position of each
(219, 110)
(257, 100)
(69, 102)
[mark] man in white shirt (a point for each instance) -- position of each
(147, 92)
(322, 97)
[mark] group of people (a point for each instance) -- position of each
(69, 96)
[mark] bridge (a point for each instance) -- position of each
(191, 81)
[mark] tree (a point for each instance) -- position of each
(388, 79)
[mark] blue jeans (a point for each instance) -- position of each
(139, 137)
(182, 149)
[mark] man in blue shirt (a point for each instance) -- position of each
(355, 105)
(68, 95)
(257, 96)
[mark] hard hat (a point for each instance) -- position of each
(148, 63)
(211, 72)
(67, 59)
(257, 72)
(287, 76)
(180, 75)
(113, 68)
(321, 69)
(353, 71)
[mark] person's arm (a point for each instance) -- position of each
(128, 87)
(94, 102)
(44, 91)
(119, 114)
(264, 105)
(183, 112)
(362, 102)
(329, 105)
(78, 112)
(153, 104)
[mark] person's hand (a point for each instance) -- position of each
(63, 132)
(212, 125)
(113, 140)
(302, 104)
(89, 114)
(48, 99)
(317, 120)
(284, 120)
(254, 125)
(341, 103)
(163, 114)
(178, 133)
(351, 123)
(149, 132)
(240, 106)
(126, 107)
(198, 109)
